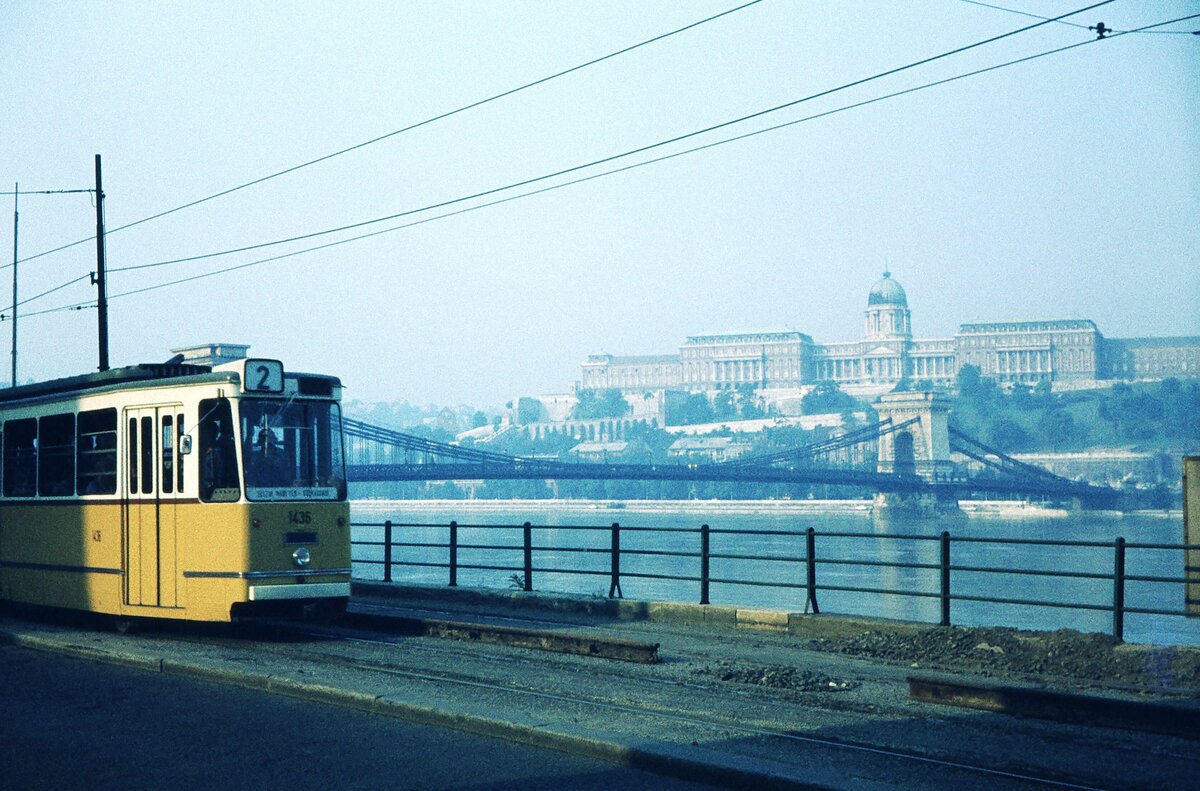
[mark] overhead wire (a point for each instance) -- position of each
(523, 183)
(43, 192)
(844, 108)
(610, 158)
(1078, 25)
(4, 313)
(409, 128)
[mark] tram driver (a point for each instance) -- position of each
(266, 461)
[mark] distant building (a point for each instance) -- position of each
(612, 451)
(1064, 352)
(712, 449)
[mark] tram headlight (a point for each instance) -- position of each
(301, 557)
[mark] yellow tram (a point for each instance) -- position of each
(175, 491)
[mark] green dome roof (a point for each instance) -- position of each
(887, 292)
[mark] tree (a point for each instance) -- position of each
(969, 380)
(748, 406)
(1059, 429)
(685, 409)
(479, 419)
(723, 408)
(1008, 435)
(1022, 396)
(826, 397)
(752, 411)
(600, 404)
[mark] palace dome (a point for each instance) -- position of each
(887, 292)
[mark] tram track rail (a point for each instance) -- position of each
(715, 724)
(1119, 705)
(320, 647)
(726, 725)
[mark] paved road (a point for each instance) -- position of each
(68, 723)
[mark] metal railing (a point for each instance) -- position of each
(395, 551)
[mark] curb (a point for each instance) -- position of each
(637, 609)
(614, 648)
(729, 773)
(1069, 707)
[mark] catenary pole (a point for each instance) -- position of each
(102, 297)
(16, 219)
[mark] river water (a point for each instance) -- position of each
(905, 540)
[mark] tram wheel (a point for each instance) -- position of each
(327, 610)
(123, 625)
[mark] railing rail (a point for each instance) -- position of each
(392, 555)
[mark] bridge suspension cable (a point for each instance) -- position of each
(408, 442)
(856, 437)
(1000, 461)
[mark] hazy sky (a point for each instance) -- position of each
(1066, 187)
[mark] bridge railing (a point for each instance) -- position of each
(809, 564)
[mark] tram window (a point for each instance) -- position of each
(133, 455)
(56, 456)
(96, 452)
(179, 458)
(218, 452)
(168, 454)
(20, 458)
(147, 455)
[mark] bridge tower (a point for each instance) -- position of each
(921, 449)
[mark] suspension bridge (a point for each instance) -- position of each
(907, 452)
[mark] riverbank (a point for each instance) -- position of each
(980, 508)
(639, 506)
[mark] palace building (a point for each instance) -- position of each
(1068, 352)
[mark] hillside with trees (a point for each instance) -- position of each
(1144, 416)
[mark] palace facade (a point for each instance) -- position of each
(1064, 352)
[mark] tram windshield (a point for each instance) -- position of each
(292, 450)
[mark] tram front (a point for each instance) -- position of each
(289, 435)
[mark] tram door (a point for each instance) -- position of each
(152, 483)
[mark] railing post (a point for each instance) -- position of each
(614, 585)
(810, 552)
(387, 551)
(528, 528)
(453, 553)
(704, 564)
(945, 577)
(1118, 628)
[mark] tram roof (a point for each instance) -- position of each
(167, 373)
(144, 372)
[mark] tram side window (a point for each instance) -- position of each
(172, 463)
(147, 455)
(168, 453)
(96, 452)
(179, 460)
(133, 455)
(56, 455)
(20, 457)
(218, 452)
